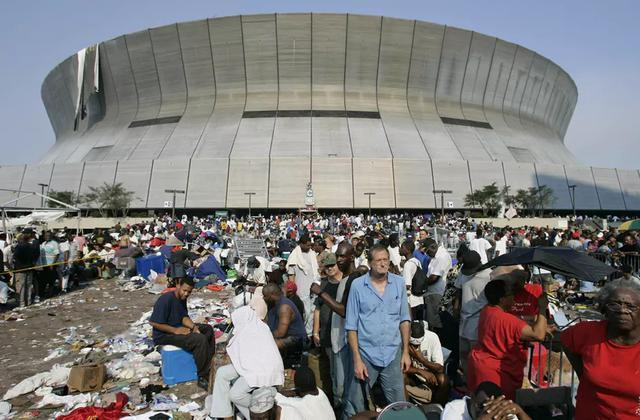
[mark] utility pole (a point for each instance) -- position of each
(369, 194)
(572, 190)
(250, 194)
(42, 187)
(442, 193)
(173, 202)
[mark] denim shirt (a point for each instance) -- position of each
(377, 318)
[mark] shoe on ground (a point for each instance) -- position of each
(203, 383)
(36, 299)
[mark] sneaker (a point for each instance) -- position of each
(36, 299)
(203, 383)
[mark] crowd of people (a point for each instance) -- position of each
(400, 307)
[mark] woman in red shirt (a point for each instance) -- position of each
(500, 355)
(606, 356)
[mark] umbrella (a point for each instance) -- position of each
(630, 225)
(565, 261)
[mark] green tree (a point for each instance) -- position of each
(68, 197)
(487, 198)
(544, 198)
(534, 199)
(109, 199)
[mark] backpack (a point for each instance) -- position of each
(419, 283)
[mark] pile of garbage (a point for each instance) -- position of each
(117, 375)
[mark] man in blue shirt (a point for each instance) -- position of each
(378, 329)
(172, 326)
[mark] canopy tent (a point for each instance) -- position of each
(565, 261)
(40, 216)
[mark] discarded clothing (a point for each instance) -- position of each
(112, 412)
(58, 375)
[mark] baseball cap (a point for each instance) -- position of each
(427, 243)
(471, 264)
(291, 287)
(329, 259)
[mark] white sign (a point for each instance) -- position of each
(168, 204)
(450, 204)
(563, 224)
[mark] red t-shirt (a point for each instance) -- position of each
(525, 303)
(499, 356)
(610, 383)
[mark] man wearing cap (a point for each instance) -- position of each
(575, 242)
(322, 317)
(291, 291)
(469, 302)
(439, 266)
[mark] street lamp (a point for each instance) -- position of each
(369, 194)
(250, 194)
(572, 190)
(442, 193)
(173, 202)
(42, 187)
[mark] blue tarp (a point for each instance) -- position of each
(165, 250)
(208, 267)
(145, 264)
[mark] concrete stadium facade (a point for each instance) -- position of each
(266, 103)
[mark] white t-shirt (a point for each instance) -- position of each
(481, 246)
(431, 347)
(394, 256)
(408, 271)
(309, 407)
(361, 260)
(472, 302)
(501, 246)
(439, 265)
(456, 410)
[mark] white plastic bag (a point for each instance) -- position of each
(4, 292)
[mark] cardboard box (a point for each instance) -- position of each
(85, 378)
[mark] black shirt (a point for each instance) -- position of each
(296, 301)
(331, 289)
(347, 287)
(25, 255)
(169, 310)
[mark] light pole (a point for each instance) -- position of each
(42, 187)
(369, 194)
(572, 190)
(173, 202)
(250, 194)
(442, 193)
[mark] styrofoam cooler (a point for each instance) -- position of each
(178, 365)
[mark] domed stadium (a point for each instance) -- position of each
(255, 107)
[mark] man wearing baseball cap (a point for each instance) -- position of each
(470, 285)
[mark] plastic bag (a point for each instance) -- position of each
(4, 292)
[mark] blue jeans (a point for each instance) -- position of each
(340, 369)
(391, 379)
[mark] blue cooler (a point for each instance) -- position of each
(177, 365)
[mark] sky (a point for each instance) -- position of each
(595, 41)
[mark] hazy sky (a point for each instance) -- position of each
(596, 42)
